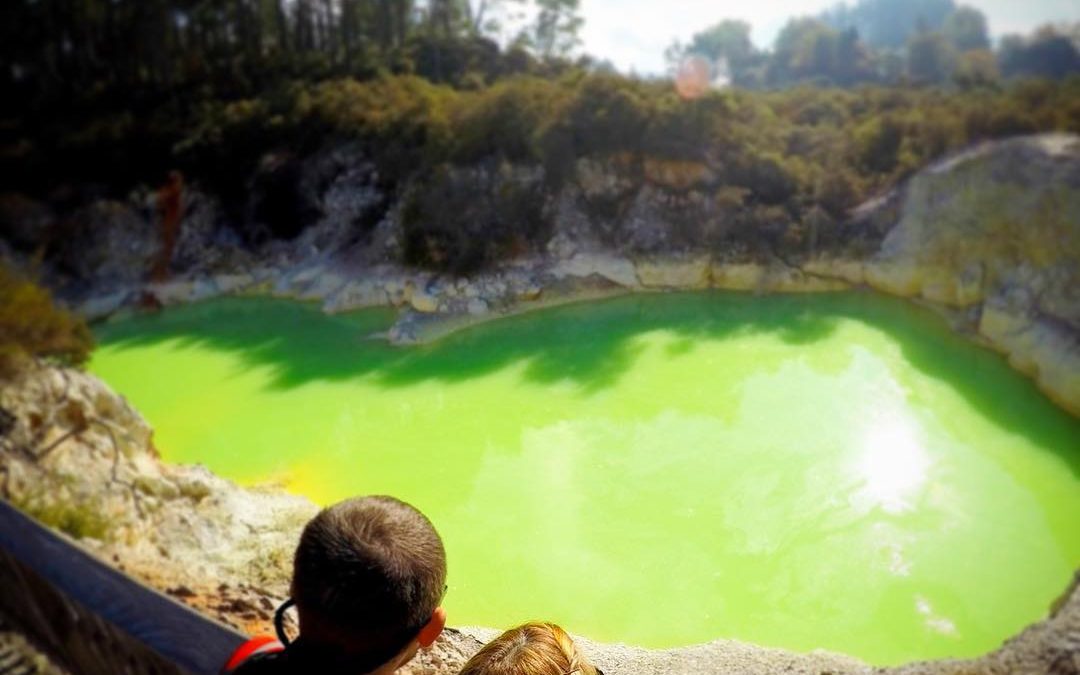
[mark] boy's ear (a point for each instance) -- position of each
(433, 628)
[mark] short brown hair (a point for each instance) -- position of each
(531, 649)
(373, 569)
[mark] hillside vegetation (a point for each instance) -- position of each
(791, 159)
(31, 325)
(478, 139)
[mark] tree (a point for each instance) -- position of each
(810, 49)
(448, 18)
(966, 29)
(889, 23)
(977, 68)
(235, 46)
(1048, 53)
(353, 36)
(488, 17)
(930, 57)
(555, 31)
(801, 50)
(727, 42)
(852, 61)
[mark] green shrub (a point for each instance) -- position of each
(999, 122)
(405, 121)
(687, 129)
(78, 520)
(837, 191)
(607, 114)
(31, 325)
(461, 220)
(877, 144)
(797, 149)
(504, 121)
(765, 176)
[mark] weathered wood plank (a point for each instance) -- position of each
(89, 600)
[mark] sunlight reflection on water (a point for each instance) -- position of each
(711, 465)
(893, 465)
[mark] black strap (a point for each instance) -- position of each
(279, 621)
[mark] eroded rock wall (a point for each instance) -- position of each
(990, 236)
(996, 231)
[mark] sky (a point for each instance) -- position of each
(633, 34)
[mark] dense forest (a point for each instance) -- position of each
(886, 42)
(102, 97)
(117, 92)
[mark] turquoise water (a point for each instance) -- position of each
(831, 471)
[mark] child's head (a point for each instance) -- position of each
(368, 578)
(532, 649)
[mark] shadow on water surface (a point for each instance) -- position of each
(592, 345)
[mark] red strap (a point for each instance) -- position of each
(262, 644)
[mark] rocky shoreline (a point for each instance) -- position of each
(953, 248)
(1037, 346)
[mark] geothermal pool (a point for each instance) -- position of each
(830, 471)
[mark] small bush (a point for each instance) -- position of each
(405, 121)
(463, 220)
(504, 122)
(31, 325)
(877, 144)
(765, 176)
(607, 114)
(77, 520)
(836, 191)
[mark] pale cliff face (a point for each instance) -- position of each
(1002, 215)
(997, 230)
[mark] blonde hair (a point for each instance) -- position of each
(531, 649)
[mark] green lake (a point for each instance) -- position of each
(829, 471)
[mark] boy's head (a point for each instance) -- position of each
(531, 649)
(368, 578)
